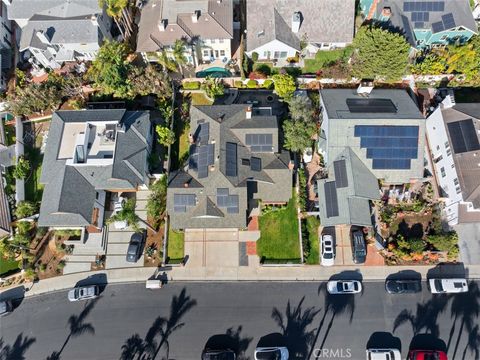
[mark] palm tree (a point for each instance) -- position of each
(116, 10)
(179, 54)
(167, 63)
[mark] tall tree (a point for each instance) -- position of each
(167, 63)
(116, 10)
(465, 59)
(149, 80)
(110, 70)
(179, 54)
(379, 53)
(284, 85)
(298, 134)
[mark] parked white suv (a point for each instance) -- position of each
(441, 286)
(117, 207)
(383, 354)
(327, 251)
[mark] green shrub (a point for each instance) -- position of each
(61, 264)
(68, 232)
(264, 69)
(252, 84)
(268, 84)
(416, 245)
(43, 267)
(238, 84)
(191, 85)
(255, 56)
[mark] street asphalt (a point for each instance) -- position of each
(183, 317)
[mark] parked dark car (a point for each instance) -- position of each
(6, 307)
(427, 355)
(403, 286)
(359, 249)
(227, 354)
(134, 250)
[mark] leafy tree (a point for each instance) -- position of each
(381, 53)
(22, 169)
(148, 80)
(432, 64)
(284, 85)
(166, 109)
(110, 69)
(34, 98)
(178, 53)
(127, 214)
(465, 59)
(25, 209)
(213, 87)
(445, 242)
(300, 108)
(298, 134)
(115, 9)
(166, 137)
(166, 61)
(157, 201)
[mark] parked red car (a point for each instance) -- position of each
(427, 355)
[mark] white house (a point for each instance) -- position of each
(453, 136)
(277, 29)
(205, 25)
(58, 31)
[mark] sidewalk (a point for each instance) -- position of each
(251, 273)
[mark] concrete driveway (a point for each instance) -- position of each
(469, 243)
(118, 241)
(212, 247)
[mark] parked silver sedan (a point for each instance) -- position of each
(83, 293)
(342, 287)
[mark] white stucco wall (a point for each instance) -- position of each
(272, 47)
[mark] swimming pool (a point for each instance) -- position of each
(216, 72)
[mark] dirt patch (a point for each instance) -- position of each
(154, 247)
(51, 263)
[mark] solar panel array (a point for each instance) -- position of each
(447, 23)
(202, 154)
(463, 136)
(231, 159)
(420, 16)
(389, 146)
(182, 201)
(367, 105)
(420, 13)
(424, 6)
(225, 200)
(202, 133)
(259, 142)
(331, 200)
(340, 169)
(256, 164)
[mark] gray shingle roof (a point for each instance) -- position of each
(353, 200)
(323, 21)
(460, 9)
(25, 9)
(273, 181)
(215, 22)
(70, 191)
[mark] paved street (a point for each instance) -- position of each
(341, 325)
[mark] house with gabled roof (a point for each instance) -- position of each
(205, 25)
(91, 155)
(424, 24)
(235, 162)
(58, 31)
(278, 29)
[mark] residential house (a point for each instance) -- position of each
(453, 134)
(6, 53)
(58, 31)
(90, 156)
(425, 24)
(345, 196)
(278, 29)
(206, 26)
(383, 127)
(235, 162)
(7, 159)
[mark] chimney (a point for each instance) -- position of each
(296, 21)
(365, 87)
(386, 12)
(248, 113)
(185, 184)
(94, 20)
(449, 100)
(43, 37)
(291, 165)
(195, 16)
(121, 127)
(162, 26)
(190, 138)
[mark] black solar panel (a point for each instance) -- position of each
(256, 164)
(371, 106)
(211, 154)
(340, 170)
(193, 160)
(448, 21)
(227, 201)
(231, 159)
(437, 27)
(331, 200)
(259, 142)
(182, 201)
(246, 162)
(463, 136)
(423, 6)
(202, 133)
(419, 16)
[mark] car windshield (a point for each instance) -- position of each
(355, 286)
(273, 354)
(438, 285)
(328, 255)
(458, 285)
(360, 252)
(217, 355)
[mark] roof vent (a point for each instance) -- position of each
(365, 88)
(121, 127)
(248, 112)
(162, 26)
(195, 16)
(296, 21)
(387, 11)
(43, 37)
(261, 33)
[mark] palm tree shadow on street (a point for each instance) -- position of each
(232, 339)
(294, 328)
(77, 326)
(148, 348)
(17, 350)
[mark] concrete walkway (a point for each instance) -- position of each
(250, 273)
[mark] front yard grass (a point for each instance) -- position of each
(199, 98)
(7, 265)
(325, 57)
(279, 234)
(175, 245)
(312, 224)
(33, 188)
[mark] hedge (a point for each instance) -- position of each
(191, 85)
(238, 84)
(252, 84)
(268, 84)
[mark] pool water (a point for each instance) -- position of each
(216, 72)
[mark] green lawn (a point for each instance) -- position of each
(279, 234)
(7, 265)
(312, 228)
(33, 188)
(200, 99)
(325, 57)
(184, 145)
(175, 245)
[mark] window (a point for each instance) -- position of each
(449, 152)
(458, 190)
(447, 144)
(440, 158)
(221, 41)
(438, 147)
(213, 41)
(283, 54)
(442, 170)
(453, 166)
(222, 52)
(206, 53)
(455, 181)
(276, 54)
(444, 37)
